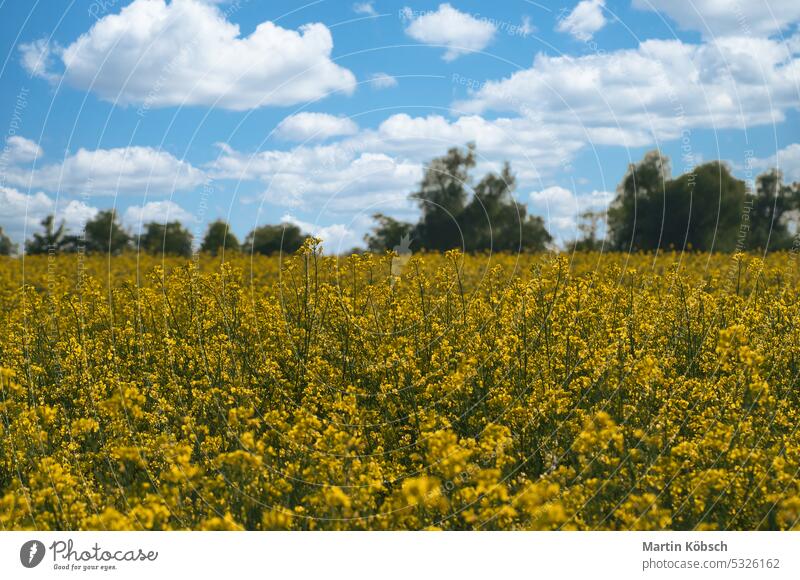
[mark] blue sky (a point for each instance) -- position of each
(324, 113)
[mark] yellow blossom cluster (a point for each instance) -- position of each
(587, 391)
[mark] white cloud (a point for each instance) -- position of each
(562, 208)
(728, 17)
(584, 20)
(75, 214)
(336, 176)
(630, 97)
(459, 32)
(533, 147)
(137, 216)
(365, 8)
(526, 28)
(381, 80)
(20, 150)
(37, 59)
(155, 54)
(336, 238)
(377, 168)
(786, 159)
(789, 162)
(315, 126)
(120, 171)
(21, 213)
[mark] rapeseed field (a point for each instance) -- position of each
(546, 391)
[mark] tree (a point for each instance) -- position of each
(268, 240)
(631, 219)
(534, 236)
(494, 220)
(105, 234)
(387, 234)
(442, 197)
(219, 237)
(51, 240)
(589, 227)
(170, 238)
(7, 247)
(772, 205)
(704, 210)
(701, 210)
(489, 220)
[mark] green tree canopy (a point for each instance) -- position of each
(170, 238)
(630, 218)
(771, 206)
(388, 233)
(52, 239)
(700, 210)
(104, 234)
(442, 196)
(219, 237)
(494, 220)
(489, 219)
(7, 247)
(271, 239)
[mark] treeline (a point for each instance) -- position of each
(105, 234)
(454, 214)
(705, 209)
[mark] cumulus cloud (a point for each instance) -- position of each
(714, 18)
(336, 176)
(561, 209)
(459, 32)
(163, 211)
(630, 97)
(37, 59)
(786, 159)
(75, 214)
(21, 213)
(381, 80)
(315, 126)
(20, 150)
(155, 54)
(365, 8)
(584, 20)
(375, 169)
(533, 146)
(120, 171)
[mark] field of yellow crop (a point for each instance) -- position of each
(589, 391)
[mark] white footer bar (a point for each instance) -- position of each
(406, 555)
